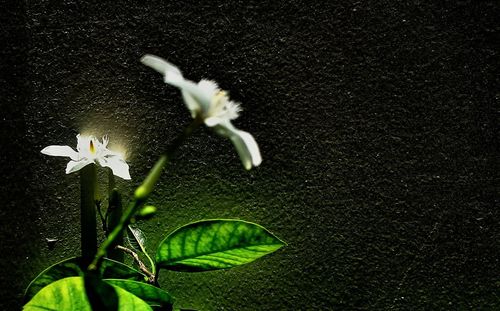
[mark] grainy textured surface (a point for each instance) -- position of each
(377, 121)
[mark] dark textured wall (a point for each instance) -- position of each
(377, 121)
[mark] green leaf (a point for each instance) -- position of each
(74, 267)
(136, 238)
(101, 295)
(154, 296)
(117, 270)
(69, 294)
(215, 244)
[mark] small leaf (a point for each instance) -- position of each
(215, 244)
(154, 296)
(136, 239)
(69, 294)
(117, 270)
(74, 267)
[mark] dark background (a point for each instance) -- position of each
(377, 122)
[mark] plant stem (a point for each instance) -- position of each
(88, 212)
(141, 194)
(111, 182)
(142, 266)
(113, 216)
(115, 234)
(152, 263)
(179, 140)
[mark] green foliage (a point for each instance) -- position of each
(215, 244)
(136, 239)
(68, 294)
(96, 283)
(74, 267)
(154, 296)
(101, 295)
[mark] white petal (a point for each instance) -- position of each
(117, 165)
(245, 144)
(192, 104)
(81, 142)
(196, 96)
(74, 166)
(213, 121)
(159, 64)
(202, 96)
(208, 87)
(247, 149)
(105, 141)
(60, 151)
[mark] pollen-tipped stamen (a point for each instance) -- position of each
(92, 148)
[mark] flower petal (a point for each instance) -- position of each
(117, 165)
(192, 104)
(74, 166)
(203, 96)
(61, 151)
(196, 96)
(160, 65)
(213, 121)
(82, 142)
(208, 87)
(245, 144)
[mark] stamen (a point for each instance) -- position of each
(219, 96)
(92, 148)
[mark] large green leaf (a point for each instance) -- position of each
(74, 267)
(154, 296)
(215, 244)
(68, 294)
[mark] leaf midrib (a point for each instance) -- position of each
(208, 253)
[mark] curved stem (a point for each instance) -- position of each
(136, 258)
(151, 262)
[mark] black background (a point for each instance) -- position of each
(377, 122)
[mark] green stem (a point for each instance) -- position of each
(88, 212)
(141, 194)
(111, 182)
(114, 214)
(179, 140)
(151, 262)
(113, 236)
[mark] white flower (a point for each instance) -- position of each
(205, 100)
(90, 150)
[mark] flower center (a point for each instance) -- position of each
(218, 104)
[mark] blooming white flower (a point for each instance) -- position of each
(206, 101)
(90, 150)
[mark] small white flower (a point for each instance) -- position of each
(90, 150)
(205, 100)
